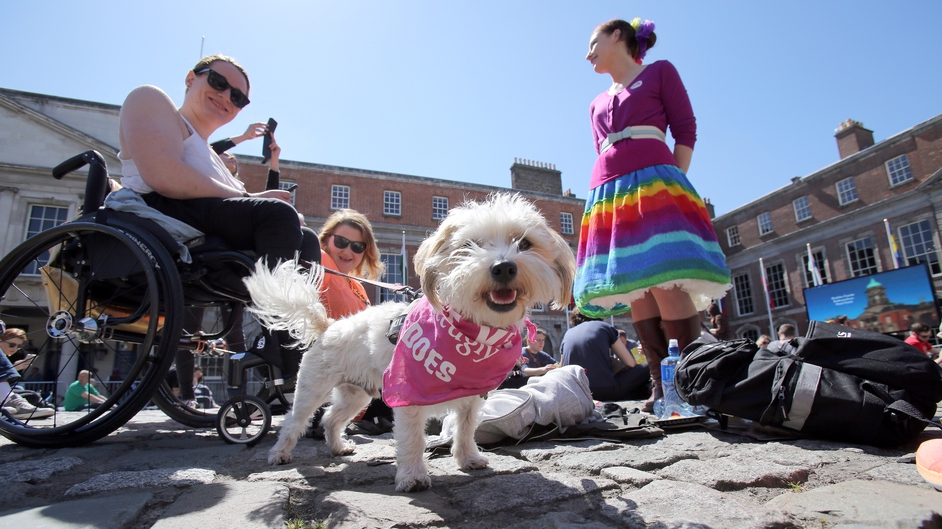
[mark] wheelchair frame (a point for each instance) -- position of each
(112, 280)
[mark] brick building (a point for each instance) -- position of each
(38, 131)
(839, 210)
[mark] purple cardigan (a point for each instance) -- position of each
(656, 97)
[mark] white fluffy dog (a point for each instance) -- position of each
(485, 265)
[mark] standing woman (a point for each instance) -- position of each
(646, 242)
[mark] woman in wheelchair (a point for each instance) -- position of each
(167, 159)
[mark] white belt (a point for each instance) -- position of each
(638, 132)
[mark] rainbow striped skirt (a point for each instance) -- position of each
(646, 229)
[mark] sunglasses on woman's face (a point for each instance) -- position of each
(218, 81)
(343, 242)
(15, 346)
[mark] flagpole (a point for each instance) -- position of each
(892, 243)
(813, 267)
(405, 260)
(768, 299)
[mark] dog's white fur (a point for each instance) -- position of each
(346, 359)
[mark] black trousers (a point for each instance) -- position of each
(267, 226)
(631, 383)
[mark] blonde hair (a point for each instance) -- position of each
(371, 267)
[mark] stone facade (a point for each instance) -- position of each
(839, 210)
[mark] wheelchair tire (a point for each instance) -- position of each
(243, 419)
(88, 291)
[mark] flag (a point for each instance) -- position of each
(721, 303)
(894, 249)
(405, 261)
(813, 268)
(765, 285)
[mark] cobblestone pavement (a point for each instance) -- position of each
(156, 473)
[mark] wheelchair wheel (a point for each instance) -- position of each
(243, 419)
(90, 296)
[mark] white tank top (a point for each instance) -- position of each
(196, 152)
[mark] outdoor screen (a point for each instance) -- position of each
(887, 302)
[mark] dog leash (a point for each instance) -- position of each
(396, 288)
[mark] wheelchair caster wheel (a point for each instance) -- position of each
(243, 419)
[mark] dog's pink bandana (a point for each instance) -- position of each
(441, 357)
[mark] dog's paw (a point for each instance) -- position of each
(343, 448)
(413, 483)
(474, 462)
(278, 458)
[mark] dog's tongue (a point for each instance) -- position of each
(503, 296)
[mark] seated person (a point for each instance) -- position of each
(82, 395)
(919, 336)
(11, 340)
(204, 396)
(538, 363)
(590, 343)
(166, 158)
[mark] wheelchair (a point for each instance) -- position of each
(111, 282)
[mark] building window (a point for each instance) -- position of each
(42, 218)
(750, 334)
(743, 295)
(898, 170)
(846, 191)
(339, 197)
(862, 257)
(392, 203)
(439, 207)
(822, 268)
(565, 219)
(538, 307)
(802, 209)
(286, 185)
(918, 246)
(765, 223)
(778, 286)
(732, 235)
(394, 274)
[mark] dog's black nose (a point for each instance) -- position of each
(504, 271)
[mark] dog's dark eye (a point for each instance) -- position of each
(524, 245)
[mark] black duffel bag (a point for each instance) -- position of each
(836, 383)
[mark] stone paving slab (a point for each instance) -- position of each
(108, 512)
(665, 503)
(876, 503)
(173, 477)
(228, 505)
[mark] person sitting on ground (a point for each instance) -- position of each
(538, 362)
(34, 375)
(919, 336)
(82, 394)
(786, 332)
(719, 327)
(11, 340)
(764, 340)
(589, 343)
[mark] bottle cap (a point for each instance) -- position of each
(672, 343)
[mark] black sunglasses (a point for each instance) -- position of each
(342, 242)
(218, 81)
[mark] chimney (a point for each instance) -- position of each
(709, 207)
(529, 175)
(852, 138)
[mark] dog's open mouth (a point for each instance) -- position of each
(502, 300)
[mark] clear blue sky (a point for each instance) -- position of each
(456, 90)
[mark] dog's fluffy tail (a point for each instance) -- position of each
(288, 298)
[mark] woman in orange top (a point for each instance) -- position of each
(348, 246)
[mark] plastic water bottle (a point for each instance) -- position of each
(673, 406)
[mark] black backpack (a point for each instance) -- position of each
(836, 383)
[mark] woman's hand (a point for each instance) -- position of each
(275, 153)
(255, 130)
